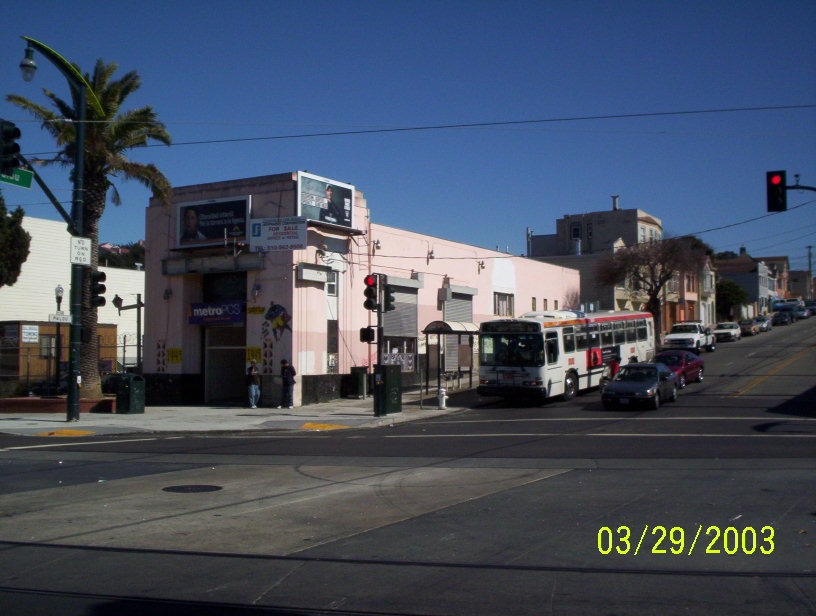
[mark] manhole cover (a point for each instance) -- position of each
(192, 488)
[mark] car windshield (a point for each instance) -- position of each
(684, 329)
(726, 325)
(670, 360)
(637, 374)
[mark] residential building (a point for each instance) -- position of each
(754, 277)
(780, 269)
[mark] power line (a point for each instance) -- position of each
(431, 127)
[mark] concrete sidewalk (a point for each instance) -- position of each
(335, 415)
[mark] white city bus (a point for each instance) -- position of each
(558, 353)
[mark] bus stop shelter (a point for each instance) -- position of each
(463, 360)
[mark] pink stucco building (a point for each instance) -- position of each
(273, 267)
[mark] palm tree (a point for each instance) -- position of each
(110, 133)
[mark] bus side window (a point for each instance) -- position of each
(551, 344)
(569, 340)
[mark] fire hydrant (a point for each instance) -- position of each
(443, 396)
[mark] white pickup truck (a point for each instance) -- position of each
(690, 336)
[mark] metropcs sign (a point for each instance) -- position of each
(215, 313)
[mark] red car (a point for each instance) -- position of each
(686, 365)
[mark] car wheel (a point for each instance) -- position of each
(673, 397)
(699, 378)
(570, 386)
(681, 380)
(656, 401)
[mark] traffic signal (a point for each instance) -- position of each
(775, 185)
(370, 292)
(368, 334)
(98, 288)
(9, 148)
(388, 298)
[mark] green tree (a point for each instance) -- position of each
(648, 266)
(14, 244)
(110, 134)
(730, 296)
(127, 259)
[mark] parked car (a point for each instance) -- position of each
(790, 310)
(749, 327)
(801, 312)
(686, 365)
(765, 323)
(640, 384)
(781, 317)
(727, 331)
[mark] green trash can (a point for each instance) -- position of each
(130, 395)
(387, 389)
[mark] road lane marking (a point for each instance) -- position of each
(762, 378)
(51, 445)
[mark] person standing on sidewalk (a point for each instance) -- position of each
(253, 380)
(288, 373)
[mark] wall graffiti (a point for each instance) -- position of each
(277, 321)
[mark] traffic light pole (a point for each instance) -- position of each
(77, 210)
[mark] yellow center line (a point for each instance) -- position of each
(762, 378)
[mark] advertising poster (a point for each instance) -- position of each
(213, 222)
(325, 200)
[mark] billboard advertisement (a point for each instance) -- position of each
(325, 200)
(206, 223)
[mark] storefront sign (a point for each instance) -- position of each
(215, 313)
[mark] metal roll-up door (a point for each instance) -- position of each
(402, 321)
(458, 308)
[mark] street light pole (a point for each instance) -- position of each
(82, 89)
(58, 293)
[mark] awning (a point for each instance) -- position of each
(450, 327)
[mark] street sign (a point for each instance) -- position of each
(21, 177)
(31, 333)
(80, 251)
(59, 317)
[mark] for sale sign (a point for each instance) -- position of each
(270, 234)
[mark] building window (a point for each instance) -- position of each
(503, 304)
(576, 231)
(642, 235)
(543, 303)
(555, 304)
(533, 305)
(331, 283)
(48, 346)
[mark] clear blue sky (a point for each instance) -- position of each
(267, 71)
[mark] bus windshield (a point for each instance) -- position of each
(511, 350)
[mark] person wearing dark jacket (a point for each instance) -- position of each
(288, 373)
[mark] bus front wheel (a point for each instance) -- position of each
(570, 386)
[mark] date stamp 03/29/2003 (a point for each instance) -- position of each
(678, 541)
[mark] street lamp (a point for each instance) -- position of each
(58, 293)
(82, 91)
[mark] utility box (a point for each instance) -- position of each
(130, 394)
(387, 389)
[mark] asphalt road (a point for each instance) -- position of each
(706, 506)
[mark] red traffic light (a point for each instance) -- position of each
(775, 187)
(371, 293)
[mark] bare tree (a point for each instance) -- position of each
(649, 266)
